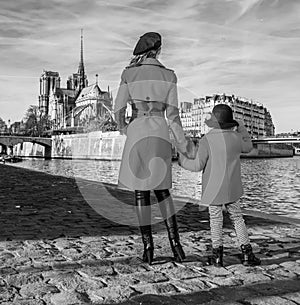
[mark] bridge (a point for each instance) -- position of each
(14, 140)
(10, 141)
(287, 140)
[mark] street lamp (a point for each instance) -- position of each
(8, 122)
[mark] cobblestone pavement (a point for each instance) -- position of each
(55, 249)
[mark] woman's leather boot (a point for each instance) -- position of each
(143, 207)
(172, 228)
(168, 212)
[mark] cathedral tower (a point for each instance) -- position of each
(49, 81)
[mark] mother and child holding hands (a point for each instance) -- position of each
(151, 90)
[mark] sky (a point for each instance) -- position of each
(248, 48)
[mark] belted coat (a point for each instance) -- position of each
(151, 89)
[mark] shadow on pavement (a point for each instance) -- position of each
(36, 205)
(226, 295)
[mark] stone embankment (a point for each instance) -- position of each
(56, 249)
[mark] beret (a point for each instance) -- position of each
(149, 41)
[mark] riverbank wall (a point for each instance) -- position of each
(274, 150)
(93, 145)
(109, 146)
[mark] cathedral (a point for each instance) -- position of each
(73, 107)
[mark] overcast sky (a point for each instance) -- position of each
(249, 48)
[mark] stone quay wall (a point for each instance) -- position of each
(93, 145)
(262, 150)
(109, 146)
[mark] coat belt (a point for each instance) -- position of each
(139, 113)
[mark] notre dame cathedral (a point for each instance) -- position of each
(77, 104)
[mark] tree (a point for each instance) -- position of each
(3, 126)
(104, 123)
(36, 123)
(110, 125)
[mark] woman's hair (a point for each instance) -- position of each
(137, 59)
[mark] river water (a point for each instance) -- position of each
(270, 185)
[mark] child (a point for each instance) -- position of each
(218, 157)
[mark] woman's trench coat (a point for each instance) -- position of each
(151, 90)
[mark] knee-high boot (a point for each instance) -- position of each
(168, 212)
(143, 207)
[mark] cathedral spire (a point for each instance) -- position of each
(81, 65)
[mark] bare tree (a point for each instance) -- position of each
(3, 126)
(36, 123)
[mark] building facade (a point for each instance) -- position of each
(255, 116)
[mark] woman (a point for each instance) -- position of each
(151, 90)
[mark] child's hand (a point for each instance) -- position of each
(241, 123)
(241, 126)
(207, 117)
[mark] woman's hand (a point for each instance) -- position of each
(123, 131)
(179, 159)
(191, 149)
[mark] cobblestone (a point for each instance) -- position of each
(37, 290)
(228, 281)
(68, 298)
(295, 297)
(274, 300)
(55, 249)
(150, 277)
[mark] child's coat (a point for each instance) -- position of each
(219, 157)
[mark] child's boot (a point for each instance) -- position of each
(217, 257)
(248, 257)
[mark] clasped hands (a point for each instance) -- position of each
(191, 149)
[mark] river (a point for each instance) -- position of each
(270, 185)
